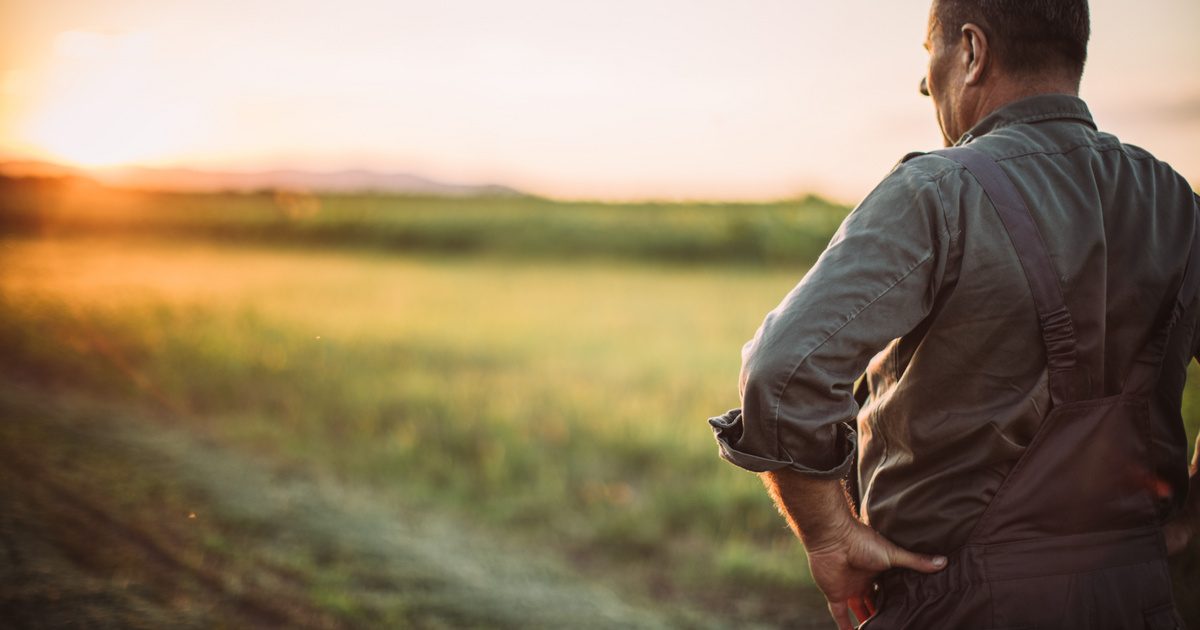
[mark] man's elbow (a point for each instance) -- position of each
(761, 386)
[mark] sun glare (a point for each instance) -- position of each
(107, 103)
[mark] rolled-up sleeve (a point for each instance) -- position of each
(876, 281)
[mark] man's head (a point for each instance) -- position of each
(985, 53)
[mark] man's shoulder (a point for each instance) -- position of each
(1020, 148)
(921, 167)
(915, 184)
(919, 170)
(1021, 144)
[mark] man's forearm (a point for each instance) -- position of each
(1184, 527)
(844, 555)
(1191, 506)
(817, 510)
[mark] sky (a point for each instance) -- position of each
(618, 100)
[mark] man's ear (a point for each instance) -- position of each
(976, 53)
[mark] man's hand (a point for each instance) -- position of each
(844, 554)
(845, 570)
(1178, 533)
(1180, 530)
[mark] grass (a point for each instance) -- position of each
(560, 407)
(456, 385)
(183, 533)
(784, 233)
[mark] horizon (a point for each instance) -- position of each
(634, 103)
(38, 169)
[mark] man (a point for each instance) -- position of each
(1022, 446)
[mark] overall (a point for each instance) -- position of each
(1073, 537)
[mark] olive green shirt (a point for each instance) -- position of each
(921, 289)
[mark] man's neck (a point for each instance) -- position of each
(992, 97)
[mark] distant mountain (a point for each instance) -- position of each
(33, 168)
(192, 180)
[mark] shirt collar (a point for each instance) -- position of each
(1030, 110)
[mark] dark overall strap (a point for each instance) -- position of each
(1058, 332)
(1143, 378)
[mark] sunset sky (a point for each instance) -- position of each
(621, 99)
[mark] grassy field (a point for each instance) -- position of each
(114, 521)
(270, 434)
(788, 232)
(565, 405)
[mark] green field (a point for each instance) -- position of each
(220, 428)
(788, 232)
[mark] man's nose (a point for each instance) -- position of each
(924, 87)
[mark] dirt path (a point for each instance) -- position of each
(129, 524)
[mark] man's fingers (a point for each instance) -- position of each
(860, 609)
(841, 614)
(1176, 536)
(904, 558)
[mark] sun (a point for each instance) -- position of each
(106, 103)
(84, 133)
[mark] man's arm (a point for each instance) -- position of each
(844, 555)
(1182, 529)
(875, 282)
(1186, 525)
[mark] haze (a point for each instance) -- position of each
(622, 99)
